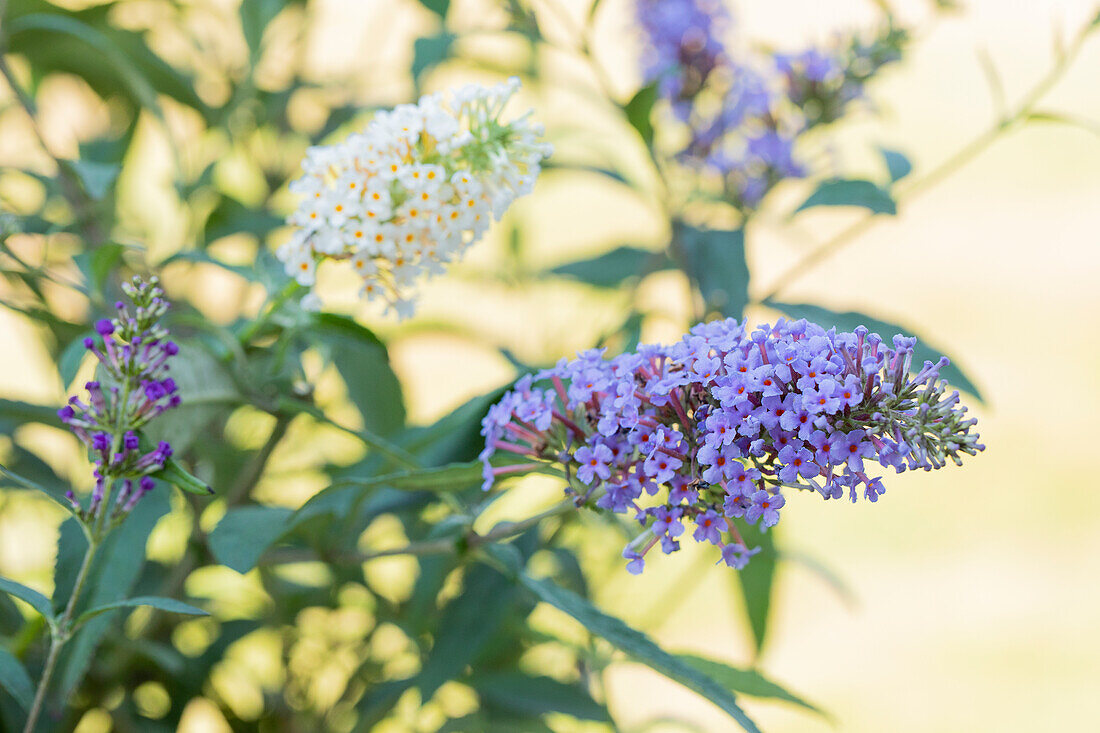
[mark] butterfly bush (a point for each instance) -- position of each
(745, 113)
(711, 430)
(412, 191)
(133, 351)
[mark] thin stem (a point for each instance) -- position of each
(59, 637)
(914, 189)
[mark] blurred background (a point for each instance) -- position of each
(963, 600)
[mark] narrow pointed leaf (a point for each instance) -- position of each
(745, 681)
(638, 646)
(164, 604)
(14, 679)
(859, 193)
(36, 600)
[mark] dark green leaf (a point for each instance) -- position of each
(848, 320)
(104, 259)
(635, 643)
(715, 259)
(200, 256)
(179, 477)
(377, 702)
(439, 7)
(36, 600)
(524, 693)
(745, 681)
(553, 165)
(206, 390)
(430, 51)
(364, 365)
(232, 217)
(255, 17)
(897, 164)
(97, 178)
(757, 583)
(68, 363)
(28, 471)
(80, 52)
(164, 604)
(612, 268)
(72, 544)
(852, 193)
(639, 110)
(244, 533)
(14, 679)
(465, 625)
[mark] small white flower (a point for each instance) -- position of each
(412, 191)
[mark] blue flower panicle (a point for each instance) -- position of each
(744, 112)
(133, 351)
(712, 429)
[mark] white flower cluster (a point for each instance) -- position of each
(412, 191)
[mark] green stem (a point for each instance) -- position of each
(59, 637)
(919, 186)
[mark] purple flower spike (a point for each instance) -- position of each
(714, 427)
(134, 362)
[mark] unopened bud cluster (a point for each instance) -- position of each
(712, 429)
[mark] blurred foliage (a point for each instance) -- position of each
(305, 634)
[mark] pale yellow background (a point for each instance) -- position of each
(977, 604)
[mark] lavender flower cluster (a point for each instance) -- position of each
(745, 114)
(133, 352)
(717, 425)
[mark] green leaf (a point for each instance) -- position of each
(174, 473)
(230, 216)
(364, 364)
(715, 260)
(439, 7)
(107, 58)
(430, 51)
(68, 363)
(757, 583)
(36, 600)
(179, 477)
(200, 256)
(522, 693)
(206, 391)
(851, 193)
(465, 625)
(745, 681)
(255, 16)
(377, 702)
(639, 111)
(97, 178)
(635, 644)
(14, 679)
(245, 533)
(25, 459)
(553, 165)
(24, 412)
(102, 261)
(897, 164)
(164, 604)
(610, 269)
(848, 320)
